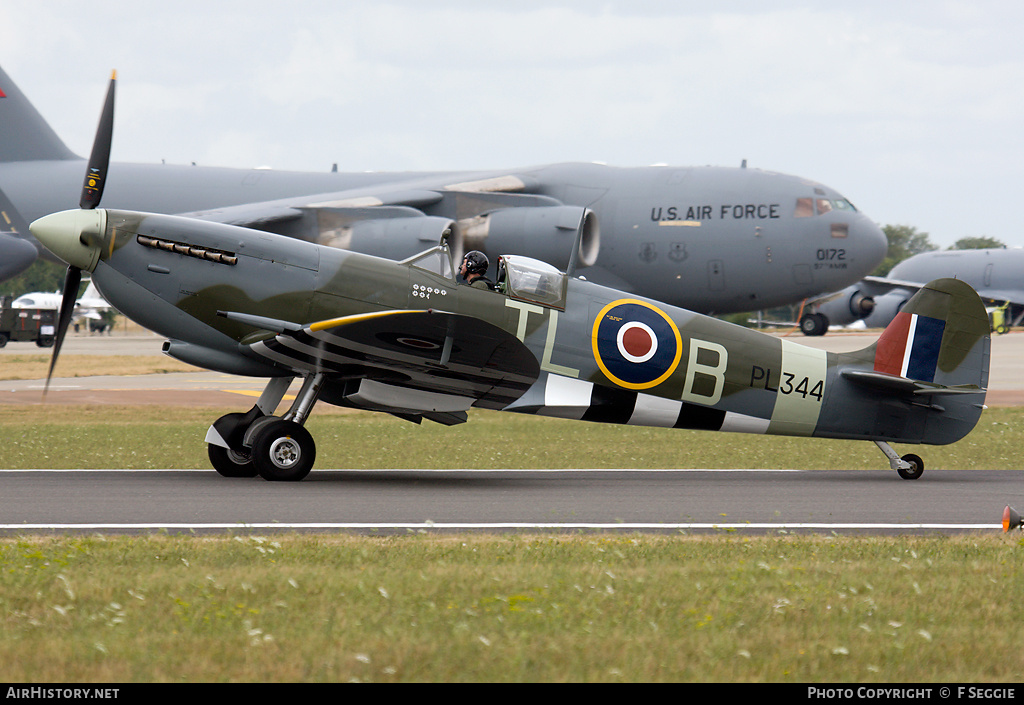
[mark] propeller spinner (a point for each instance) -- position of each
(66, 233)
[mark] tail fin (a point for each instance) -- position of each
(933, 359)
(24, 134)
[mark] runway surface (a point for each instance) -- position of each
(381, 501)
(620, 500)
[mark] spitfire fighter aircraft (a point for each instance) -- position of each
(711, 239)
(407, 339)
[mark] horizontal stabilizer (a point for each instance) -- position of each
(909, 386)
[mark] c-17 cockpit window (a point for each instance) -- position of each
(805, 207)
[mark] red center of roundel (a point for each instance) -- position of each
(636, 341)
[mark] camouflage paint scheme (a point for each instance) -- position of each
(407, 338)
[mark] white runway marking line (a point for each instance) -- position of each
(426, 526)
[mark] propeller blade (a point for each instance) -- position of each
(72, 280)
(99, 160)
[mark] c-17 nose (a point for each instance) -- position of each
(74, 236)
(871, 242)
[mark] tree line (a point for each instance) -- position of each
(905, 241)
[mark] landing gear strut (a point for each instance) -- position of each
(909, 467)
(258, 443)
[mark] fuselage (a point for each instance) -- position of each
(604, 355)
(709, 239)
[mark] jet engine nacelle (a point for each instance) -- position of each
(546, 233)
(886, 308)
(394, 238)
(17, 255)
(851, 305)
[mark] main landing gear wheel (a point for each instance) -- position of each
(813, 324)
(235, 461)
(230, 463)
(915, 470)
(283, 451)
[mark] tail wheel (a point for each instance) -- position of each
(916, 468)
(283, 451)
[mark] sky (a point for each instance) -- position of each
(912, 110)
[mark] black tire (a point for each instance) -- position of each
(813, 324)
(283, 451)
(916, 469)
(229, 463)
(45, 341)
(3, 339)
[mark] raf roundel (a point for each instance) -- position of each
(636, 344)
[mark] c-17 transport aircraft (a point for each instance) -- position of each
(711, 239)
(997, 274)
(407, 339)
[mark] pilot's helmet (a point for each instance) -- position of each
(476, 262)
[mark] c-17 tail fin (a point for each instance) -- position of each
(932, 363)
(24, 134)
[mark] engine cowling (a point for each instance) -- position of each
(851, 305)
(18, 255)
(886, 308)
(546, 233)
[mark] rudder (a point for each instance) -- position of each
(924, 380)
(941, 336)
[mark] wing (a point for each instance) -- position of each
(869, 286)
(496, 212)
(383, 200)
(415, 363)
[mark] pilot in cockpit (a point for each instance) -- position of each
(474, 269)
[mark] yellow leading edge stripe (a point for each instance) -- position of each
(344, 320)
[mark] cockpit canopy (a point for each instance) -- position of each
(531, 280)
(519, 277)
(437, 260)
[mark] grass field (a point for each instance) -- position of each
(513, 608)
(63, 436)
(35, 366)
